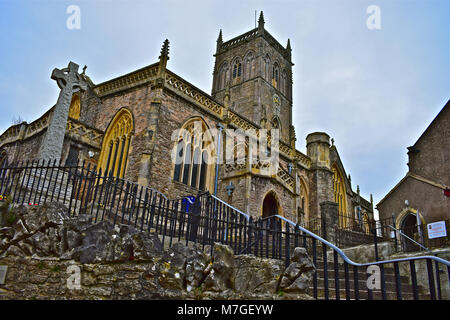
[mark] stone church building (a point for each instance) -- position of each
(130, 126)
(426, 185)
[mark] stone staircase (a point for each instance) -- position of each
(389, 278)
(390, 284)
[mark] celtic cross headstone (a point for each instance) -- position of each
(69, 81)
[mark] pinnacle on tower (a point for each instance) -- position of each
(165, 50)
(163, 59)
(261, 21)
(288, 47)
(219, 41)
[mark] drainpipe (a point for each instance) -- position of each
(220, 126)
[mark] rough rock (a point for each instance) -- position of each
(258, 275)
(222, 274)
(298, 275)
(120, 262)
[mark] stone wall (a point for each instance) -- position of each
(26, 149)
(429, 155)
(422, 271)
(431, 201)
(50, 255)
(348, 238)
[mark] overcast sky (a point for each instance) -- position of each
(373, 91)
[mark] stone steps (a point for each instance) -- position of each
(389, 281)
(363, 295)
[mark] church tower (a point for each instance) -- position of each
(253, 77)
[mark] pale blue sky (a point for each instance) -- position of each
(373, 91)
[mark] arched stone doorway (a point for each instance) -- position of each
(409, 228)
(270, 205)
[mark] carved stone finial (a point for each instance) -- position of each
(261, 22)
(165, 50)
(84, 70)
(289, 50)
(219, 41)
(292, 135)
(163, 61)
(261, 19)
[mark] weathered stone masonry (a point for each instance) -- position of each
(43, 244)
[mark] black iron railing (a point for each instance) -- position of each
(206, 219)
(409, 238)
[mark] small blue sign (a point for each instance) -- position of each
(187, 201)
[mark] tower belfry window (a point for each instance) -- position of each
(275, 75)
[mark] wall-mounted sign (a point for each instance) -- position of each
(436, 230)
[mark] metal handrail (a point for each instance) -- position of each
(235, 209)
(399, 231)
(346, 259)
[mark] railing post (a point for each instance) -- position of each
(414, 280)
(431, 284)
(195, 218)
(336, 274)
(249, 235)
(287, 245)
(375, 241)
(314, 253)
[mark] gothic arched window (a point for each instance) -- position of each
(237, 69)
(249, 65)
(276, 124)
(275, 75)
(267, 68)
(223, 73)
(3, 158)
(116, 144)
(283, 83)
(340, 196)
(304, 199)
(75, 107)
(193, 153)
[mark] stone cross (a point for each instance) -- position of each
(69, 81)
(230, 188)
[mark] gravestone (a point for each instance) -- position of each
(69, 81)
